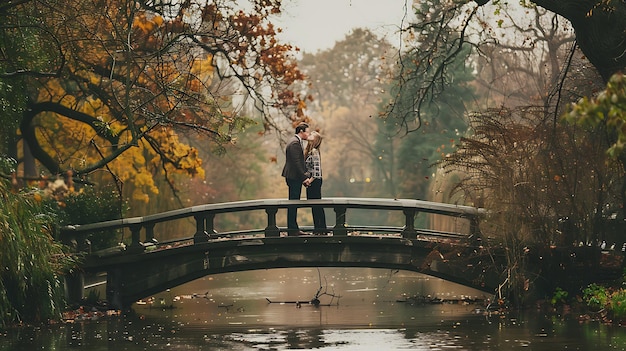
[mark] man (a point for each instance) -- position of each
(295, 174)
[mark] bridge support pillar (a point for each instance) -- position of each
(272, 229)
(409, 231)
(340, 221)
(209, 224)
(114, 289)
(475, 229)
(74, 286)
(135, 244)
(204, 227)
(150, 232)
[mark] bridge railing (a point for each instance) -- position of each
(204, 216)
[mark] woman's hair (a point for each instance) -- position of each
(313, 144)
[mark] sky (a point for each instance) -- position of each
(314, 25)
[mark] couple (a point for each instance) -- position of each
(304, 168)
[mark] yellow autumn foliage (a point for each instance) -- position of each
(134, 82)
(72, 143)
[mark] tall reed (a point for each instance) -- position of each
(31, 262)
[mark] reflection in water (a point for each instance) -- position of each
(368, 310)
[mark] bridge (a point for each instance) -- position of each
(149, 264)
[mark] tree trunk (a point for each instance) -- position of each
(30, 170)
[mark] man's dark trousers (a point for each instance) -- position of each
(295, 190)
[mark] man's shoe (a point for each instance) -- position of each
(300, 233)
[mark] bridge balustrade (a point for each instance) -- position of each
(204, 216)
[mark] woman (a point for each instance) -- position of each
(313, 162)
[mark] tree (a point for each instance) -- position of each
(444, 28)
(424, 136)
(598, 25)
(522, 65)
(347, 84)
(546, 183)
(600, 30)
(126, 80)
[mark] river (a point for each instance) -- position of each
(359, 309)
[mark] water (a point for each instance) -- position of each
(360, 309)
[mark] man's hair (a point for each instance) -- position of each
(301, 127)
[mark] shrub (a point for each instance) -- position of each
(618, 305)
(596, 296)
(559, 297)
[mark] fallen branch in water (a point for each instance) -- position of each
(314, 302)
